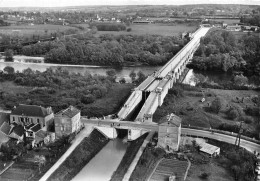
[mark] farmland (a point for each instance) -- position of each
(153, 29)
(25, 30)
(168, 167)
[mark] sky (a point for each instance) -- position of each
(60, 3)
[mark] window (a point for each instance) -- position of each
(13, 119)
(38, 121)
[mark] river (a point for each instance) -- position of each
(101, 70)
(103, 165)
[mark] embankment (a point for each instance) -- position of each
(85, 151)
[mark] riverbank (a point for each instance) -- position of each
(87, 149)
(48, 64)
(128, 158)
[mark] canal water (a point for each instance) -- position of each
(103, 165)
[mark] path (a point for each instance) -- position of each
(137, 156)
(6, 167)
(84, 133)
(158, 162)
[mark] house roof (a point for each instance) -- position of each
(171, 120)
(41, 134)
(36, 128)
(69, 112)
(30, 110)
(18, 130)
(5, 128)
(29, 126)
(208, 148)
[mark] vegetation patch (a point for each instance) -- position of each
(59, 89)
(222, 51)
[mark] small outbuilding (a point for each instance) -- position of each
(169, 134)
(211, 150)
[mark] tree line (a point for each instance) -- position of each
(221, 51)
(108, 49)
(108, 26)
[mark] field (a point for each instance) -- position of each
(21, 30)
(168, 167)
(228, 21)
(152, 29)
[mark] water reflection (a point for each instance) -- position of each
(103, 165)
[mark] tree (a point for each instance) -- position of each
(111, 75)
(9, 55)
(232, 113)
(40, 160)
(122, 80)
(9, 70)
(258, 130)
(240, 80)
(132, 75)
(141, 76)
(216, 105)
(87, 99)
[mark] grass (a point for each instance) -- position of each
(21, 30)
(217, 172)
(129, 156)
(11, 87)
(152, 29)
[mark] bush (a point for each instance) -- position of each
(176, 91)
(247, 119)
(240, 80)
(129, 29)
(232, 113)
(88, 99)
(204, 175)
(252, 111)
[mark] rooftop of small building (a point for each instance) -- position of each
(70, 112)
(19, 130)
(208, 148)
(30, 110)
(5, 128)
(171, 119)
(35, 128)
